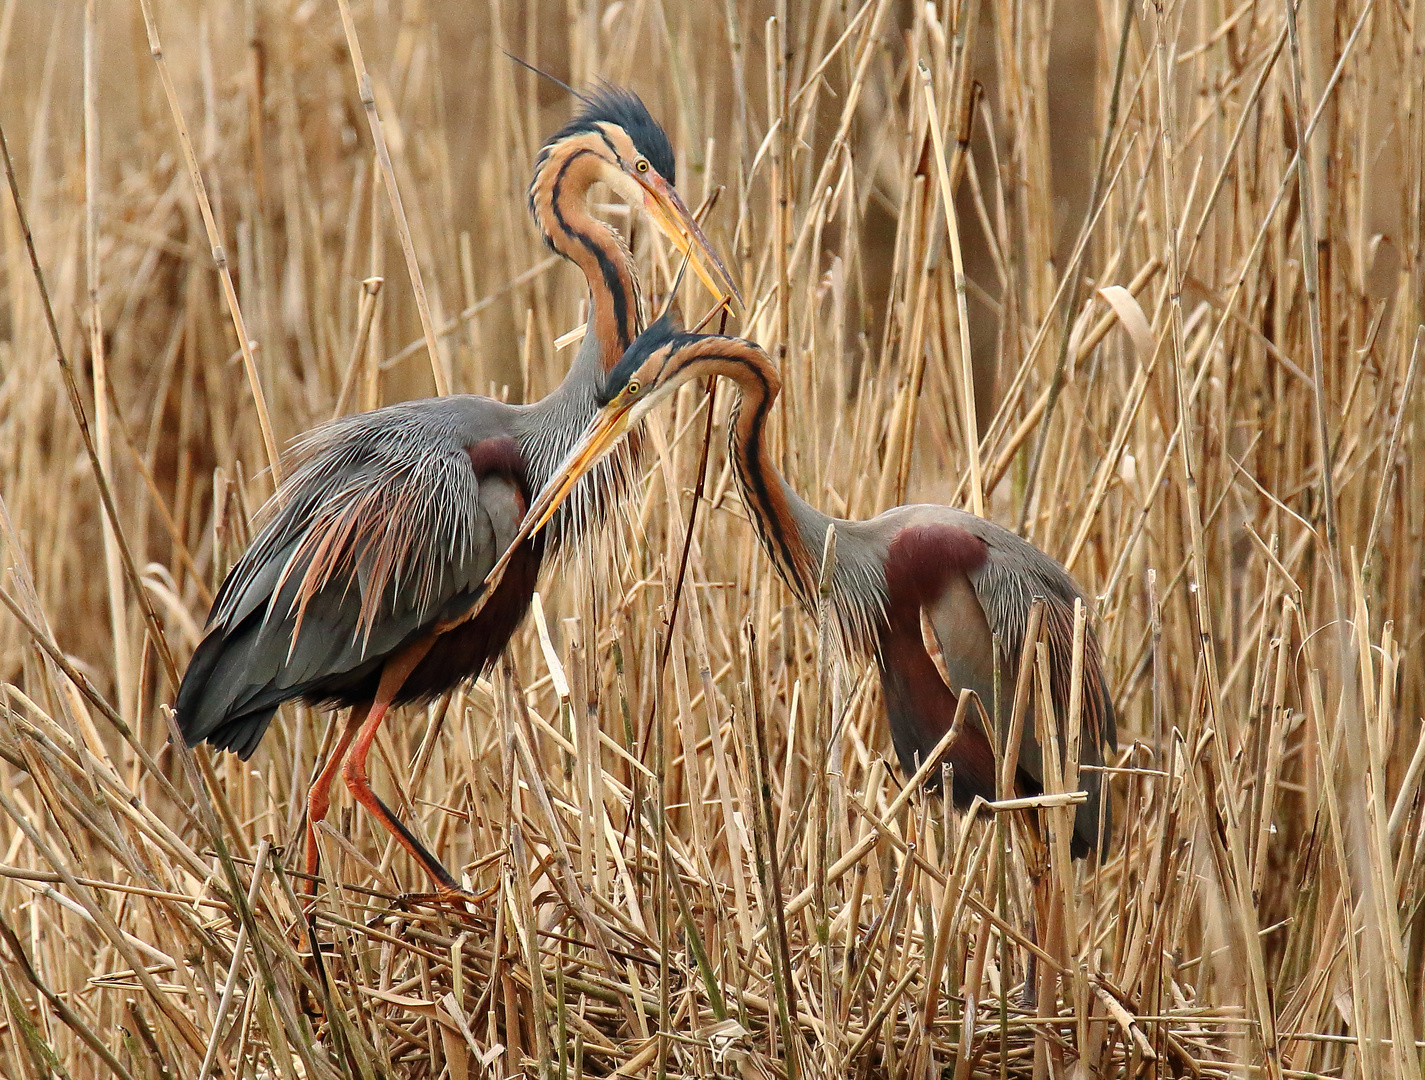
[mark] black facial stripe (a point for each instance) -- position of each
(608, 142)
(667, 359)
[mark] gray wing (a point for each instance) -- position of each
(1013, 573)
(383, 529)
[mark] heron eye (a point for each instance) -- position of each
(634, 387)
(641, 165)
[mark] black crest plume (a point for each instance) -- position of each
(663, 331)
(545, 75)
(614, 105)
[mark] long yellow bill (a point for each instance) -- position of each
(680, 227)
(606, 430)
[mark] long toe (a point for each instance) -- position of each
(454, 899)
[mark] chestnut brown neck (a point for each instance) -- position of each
(559, 199)
(791, 530)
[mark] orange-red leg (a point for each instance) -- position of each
(353, 771)
(319, 797)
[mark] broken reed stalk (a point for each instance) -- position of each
(393, 192)
(113, 562)
(1075, 276)
(765, 853)
(962, 315)
(1232, 865)
(826, 672)
(76, 404)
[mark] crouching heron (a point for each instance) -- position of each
(926, 589)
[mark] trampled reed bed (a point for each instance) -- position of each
(1195, 356)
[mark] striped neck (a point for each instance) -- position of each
(558, 199)
(781, 517)
(549, 428)
(790, 529)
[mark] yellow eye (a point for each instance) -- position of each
(641, 165)
(634, 387)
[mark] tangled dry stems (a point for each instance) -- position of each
(720, 851)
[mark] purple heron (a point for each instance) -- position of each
(925, 589)
(365, 586)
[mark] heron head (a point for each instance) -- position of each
(632, 154)
(631, 381)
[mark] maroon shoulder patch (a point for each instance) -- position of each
(921, 559)
(501, 456)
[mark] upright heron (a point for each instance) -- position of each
(365, 586)
(925, 588)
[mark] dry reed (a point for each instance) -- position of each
(711, 868)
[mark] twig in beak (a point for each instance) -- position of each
(721, 305)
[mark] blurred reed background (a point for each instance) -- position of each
(1261, 616)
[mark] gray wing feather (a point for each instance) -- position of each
(381, 529)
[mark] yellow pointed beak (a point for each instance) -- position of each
(606, 430)
(676, 223)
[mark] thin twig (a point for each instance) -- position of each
(215, 244)
(76, 405)
(393, 192)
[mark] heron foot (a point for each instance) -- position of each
(457, 899)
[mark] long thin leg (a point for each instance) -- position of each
(1036, 863)
(353, 771)
(319, 795)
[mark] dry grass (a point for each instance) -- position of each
(1263, 909)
